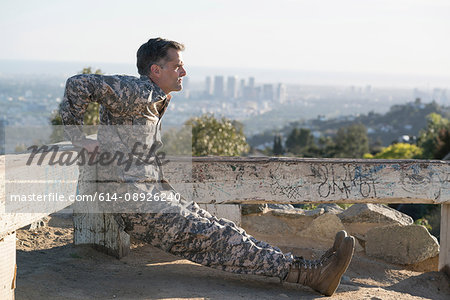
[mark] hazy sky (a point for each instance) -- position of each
(386, 36)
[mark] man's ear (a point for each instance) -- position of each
(155, 69)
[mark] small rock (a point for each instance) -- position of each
(38, 224)
(248, 209)
(280, 206)
(331, 208)
(290, 213)
(314, 212)
(295, 212)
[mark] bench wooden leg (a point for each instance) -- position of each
(7, 266)
(100, 230)
(444, 254)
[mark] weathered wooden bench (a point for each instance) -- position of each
(220, 184)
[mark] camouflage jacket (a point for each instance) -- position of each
(130, 120)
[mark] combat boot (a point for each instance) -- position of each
(323, 275)
(340, 236)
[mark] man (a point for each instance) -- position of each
(178, 227)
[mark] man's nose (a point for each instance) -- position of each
(182, 72)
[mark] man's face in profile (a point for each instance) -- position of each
(172, 72)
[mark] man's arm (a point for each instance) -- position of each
(79, 92)
(121, 96)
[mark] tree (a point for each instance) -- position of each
(211, 136)
(277, 146)
(442, 143)
(299, 140)
(435, 138)
(397, 151)
(326, 147)
(352, 141)
(178, 142)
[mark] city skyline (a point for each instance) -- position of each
(197, 74)
(234, 87)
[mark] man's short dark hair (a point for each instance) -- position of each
(153, 52)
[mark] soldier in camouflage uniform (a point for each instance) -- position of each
(130, 116)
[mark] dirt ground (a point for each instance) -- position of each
(51, 267)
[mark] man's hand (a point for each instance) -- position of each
(90, 145)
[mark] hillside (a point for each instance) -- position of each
(405, 119)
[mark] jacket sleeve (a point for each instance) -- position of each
(79, 92)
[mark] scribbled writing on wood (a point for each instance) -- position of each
(346, 181)
(358, 181)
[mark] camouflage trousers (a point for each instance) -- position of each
(196, 235)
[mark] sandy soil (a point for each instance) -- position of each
(51, 267)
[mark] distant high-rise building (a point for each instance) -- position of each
(257, 91)
(208, 86)
(247, 93)
(267, 93)
(281, 93)
(251, 82)
(218, 87)
(241, 88)
(232, 87)
(250, 92)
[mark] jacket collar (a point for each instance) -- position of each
(156, 88)
(164, 99)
